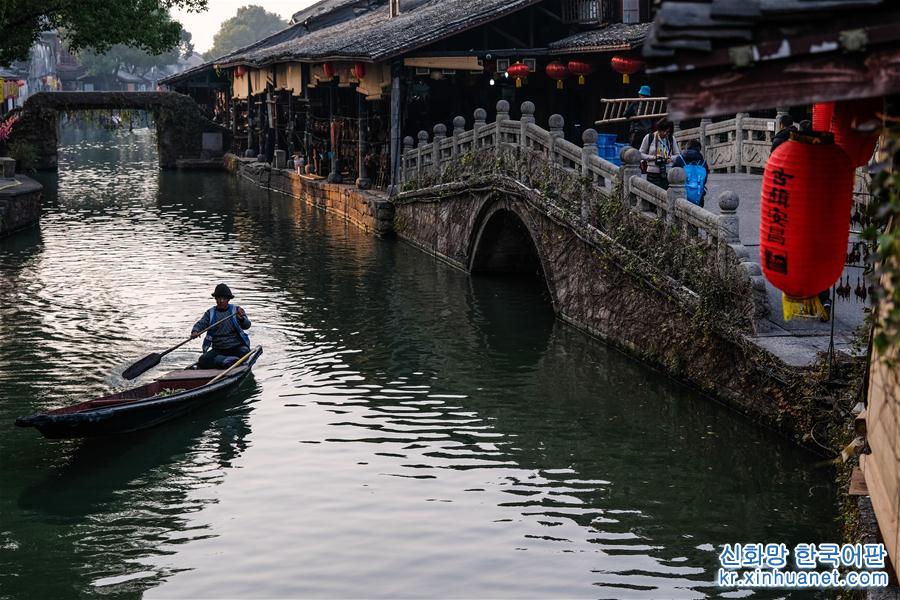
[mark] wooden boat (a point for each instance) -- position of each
(170, 396)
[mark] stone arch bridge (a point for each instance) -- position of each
(635, 265)
(184, 132)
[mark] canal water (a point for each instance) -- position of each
(408, 432)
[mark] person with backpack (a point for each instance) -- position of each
(696, 172)
(659, 150)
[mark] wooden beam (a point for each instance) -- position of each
(713, 92)
(519, 43)
(460, 63)
(858, 483)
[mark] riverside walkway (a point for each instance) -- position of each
(796, 342)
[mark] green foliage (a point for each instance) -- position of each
(94, 24)
(884, 230)
(25, 153)
(133, 60)
(250, 24)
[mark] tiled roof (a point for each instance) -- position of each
(372, 35)
(618, 36)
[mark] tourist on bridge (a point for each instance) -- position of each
(785, 127)
(696, 172)
(659, 149)
(226, 342)
(639, 127)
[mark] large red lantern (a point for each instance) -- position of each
(805, 208)
(358, 70)
(580, 68)
(556, 70)
(848, 115)
(519, 71)
(822, 113)
(328, 70)
(626, 65)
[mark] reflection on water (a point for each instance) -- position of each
(409, 431)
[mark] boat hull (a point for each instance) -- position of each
(135, 415)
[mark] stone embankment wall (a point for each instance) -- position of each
(20, 199)
(368, 210)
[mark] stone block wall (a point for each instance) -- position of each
(20, 204)
(367, 210)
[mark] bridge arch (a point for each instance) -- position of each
(504, 240)
(183, 132)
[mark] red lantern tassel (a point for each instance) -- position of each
(626, 78)
(804, 308)
(518, 82)
(559, 84)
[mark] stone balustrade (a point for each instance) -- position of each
(425, 160)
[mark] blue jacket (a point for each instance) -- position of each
(223, 336)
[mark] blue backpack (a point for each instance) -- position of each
(695, 180)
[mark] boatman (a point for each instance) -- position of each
(227, 341)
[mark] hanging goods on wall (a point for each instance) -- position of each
(626, 65)
(519, 71)
(328, 70)
(240, 71)
(556, 70)
(807, 192)
(856, 128)
(580, 68)
(358, 70)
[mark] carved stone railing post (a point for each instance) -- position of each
(408, 144)
(502, 115)
(704, 141)
(420, 166)
(557, 122)
(459, 127)
(527, 109)
(730, 241)
(480, 121)
(631, 167)
(588, 149)
(676, 178)
(739, 142)
(440, 134)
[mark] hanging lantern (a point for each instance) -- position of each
(822, 112)
(240, 71)
(358, 70)
(556, 70)
(21, 83)
(807, 193)
(848, 116)
(328, 69)
(580, 68)
(626, 65)
(519, 71)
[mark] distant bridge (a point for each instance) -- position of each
(183, 131)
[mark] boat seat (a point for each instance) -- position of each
(190, 374)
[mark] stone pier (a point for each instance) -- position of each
(20, 199)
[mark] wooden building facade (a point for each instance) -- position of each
(348, 79)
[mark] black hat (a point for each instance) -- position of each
(222, 290)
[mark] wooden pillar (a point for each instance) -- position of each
(396, 70)
(335, 175)
(363, 182)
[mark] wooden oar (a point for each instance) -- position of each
(241, 361)
(151, 360)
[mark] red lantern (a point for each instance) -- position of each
(20, 83)
(807, 192)
(556, 70)
(822, 112)
(328, 69)
(519, 71)
(358, 70)
(580, 68)
(626, 65)
(240, 71)
(848, 115)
